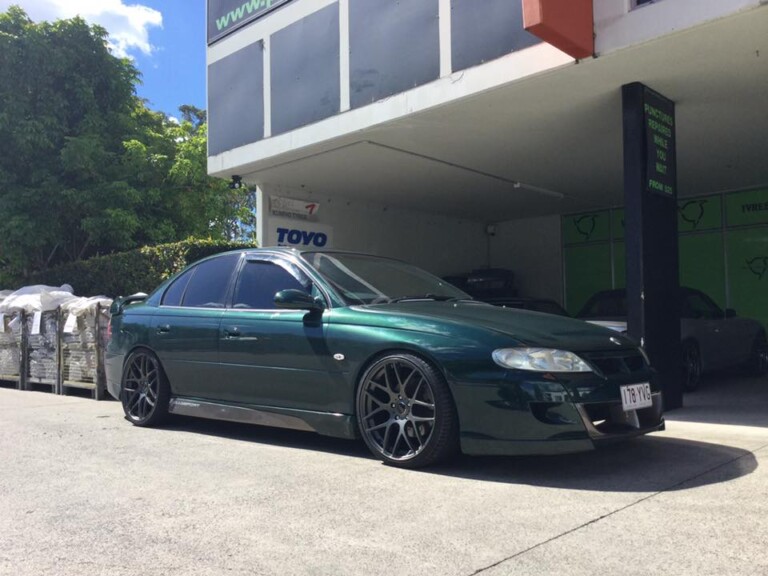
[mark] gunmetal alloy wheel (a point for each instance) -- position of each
(691, 366)
(144, 391)
(406, 413)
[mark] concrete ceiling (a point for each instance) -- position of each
(560, 134)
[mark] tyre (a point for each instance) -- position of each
(691, 366)
(406, 413)
(144, 390)
(758, 360)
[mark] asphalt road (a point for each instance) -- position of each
(83, 492)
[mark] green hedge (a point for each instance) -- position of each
(130, 272)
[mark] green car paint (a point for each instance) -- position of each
(305, 365)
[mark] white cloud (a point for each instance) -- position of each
(128, 25)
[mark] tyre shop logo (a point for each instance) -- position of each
(301, 237)
(758, 266)
(585, 225)
(692, 212)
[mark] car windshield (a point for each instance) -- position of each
(606, 305)
(363, 279)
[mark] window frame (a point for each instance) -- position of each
(284, 263)
(192, 271)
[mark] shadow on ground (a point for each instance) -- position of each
(646, 464)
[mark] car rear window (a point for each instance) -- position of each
(209, 283)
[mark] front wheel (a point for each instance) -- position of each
(405, 412)
(144, 390)
(691, 366)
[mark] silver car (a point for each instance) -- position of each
(712, 338)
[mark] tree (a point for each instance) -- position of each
(65, 104)
(85, 167)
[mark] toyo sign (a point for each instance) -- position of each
(298, 234)
(224, 16)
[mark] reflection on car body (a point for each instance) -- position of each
(350, 345)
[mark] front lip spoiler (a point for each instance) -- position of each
(631, 424)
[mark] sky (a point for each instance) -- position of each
(165, 39)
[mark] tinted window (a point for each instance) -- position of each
(208, 286)
(261, 280)
(697, 305)
(173, 295)
(606, 305)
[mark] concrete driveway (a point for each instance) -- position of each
(83, 492)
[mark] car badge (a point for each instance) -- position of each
(338, 357)
(615, 341)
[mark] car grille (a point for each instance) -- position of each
(616, 363)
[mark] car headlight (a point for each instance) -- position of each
(540, 360)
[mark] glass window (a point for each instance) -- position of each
(260, 280)
(698, 305)
(365, 279)
(606, 305)
(208, 286)
(173, 294)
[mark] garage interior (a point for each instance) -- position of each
(500, 178)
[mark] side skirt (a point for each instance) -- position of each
(325, 423)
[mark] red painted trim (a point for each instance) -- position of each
(566, 24)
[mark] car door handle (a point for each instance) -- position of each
(235, 334)
(164, 329)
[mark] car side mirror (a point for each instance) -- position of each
(730, 313)
(293, 299)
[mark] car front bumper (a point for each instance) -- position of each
(502, 419)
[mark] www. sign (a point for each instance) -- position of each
(246, 9)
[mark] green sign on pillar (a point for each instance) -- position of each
(659, 122)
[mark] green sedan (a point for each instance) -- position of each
(350, 345)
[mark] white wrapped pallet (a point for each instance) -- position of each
(83, 331)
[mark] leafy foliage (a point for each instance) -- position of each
(85, 167)
(134, 271)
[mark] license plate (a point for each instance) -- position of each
(636, 396)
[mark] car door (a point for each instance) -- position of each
(271, 356)
(704, 321)
(185, 329)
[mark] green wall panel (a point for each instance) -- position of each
(702, 264)
(749, 207)
(587, 270)
(587, 227)
(619, 265)
(707, 242)
(617, 223)
(748, 272)
(696, 214)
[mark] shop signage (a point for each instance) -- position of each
(224, 16)
(291, 208)
(288, 232)
(747, 208)
(659, 124)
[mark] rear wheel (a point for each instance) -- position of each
(758, 362)
(405, 412)
(691, 366)
(144, 390)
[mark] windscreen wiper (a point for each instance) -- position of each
(431, 297)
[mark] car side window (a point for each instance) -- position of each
(697, 305)
(208, 286)
(175, 291)
(259, 282)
